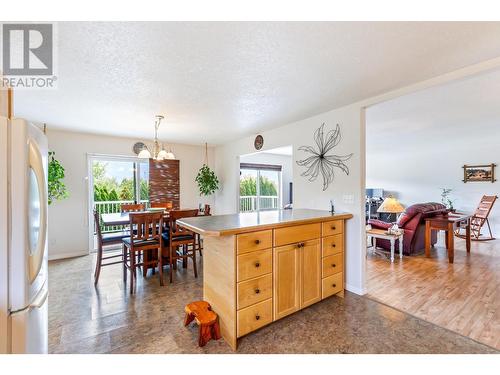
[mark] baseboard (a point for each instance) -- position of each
(355, 290)
(67, 255)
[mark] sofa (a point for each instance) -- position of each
(413, 223)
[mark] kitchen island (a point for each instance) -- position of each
(261, 267)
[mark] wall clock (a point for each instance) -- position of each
(138, 147)
(259, 142)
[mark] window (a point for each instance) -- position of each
(260, 187)
(114, 181)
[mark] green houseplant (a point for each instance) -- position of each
(207, 181)
(56, 188)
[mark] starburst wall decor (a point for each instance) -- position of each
(320, 161)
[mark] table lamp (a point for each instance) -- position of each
(391, 205)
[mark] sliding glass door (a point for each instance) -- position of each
(260, 187)
(113, 182)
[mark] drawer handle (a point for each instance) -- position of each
(257, 264)
(333, 245)
(333, 227)
(257, 317)
(257, 291)
(334, 285)
(257, 242)
(334, 265)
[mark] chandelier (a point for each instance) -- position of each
(158, 153)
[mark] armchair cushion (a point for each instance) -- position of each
(379, 224)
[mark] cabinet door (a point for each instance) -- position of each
(311, 273)
(286, 280)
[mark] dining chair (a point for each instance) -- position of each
(132, 207)
(147, 237)
(103, 240)
(179, 243)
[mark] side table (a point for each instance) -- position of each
(373, 234)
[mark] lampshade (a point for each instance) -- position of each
(391, 205)
(162, 155)
(144, 154)
(170, 155)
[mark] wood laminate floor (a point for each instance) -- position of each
(463, 297)
(84, 319)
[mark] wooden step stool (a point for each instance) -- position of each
(207, 320)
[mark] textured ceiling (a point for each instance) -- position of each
(216, 82)
(442, 115)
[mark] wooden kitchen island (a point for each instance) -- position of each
(261, 267)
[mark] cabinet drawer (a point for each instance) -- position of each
(256, 263)
(332, 284)
(254, 290)
(254, 241)
(297, 233)
(333, 245)
(333, 227)
(254, 317)
(332, 265)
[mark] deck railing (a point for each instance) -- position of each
(109, 207)
(248, 203)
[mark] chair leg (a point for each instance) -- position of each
(132, 271)
(160, 267)
(170, 262)
(145, 257)
(124, 258)
(98, 264)
(194, 263)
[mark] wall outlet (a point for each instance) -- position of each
(348, 198)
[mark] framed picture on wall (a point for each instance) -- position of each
(479, 173)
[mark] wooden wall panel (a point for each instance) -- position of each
(164, 182)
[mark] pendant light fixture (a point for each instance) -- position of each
(158, 153)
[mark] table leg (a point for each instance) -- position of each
(451, 243)
(427, 238)
(467, 236)
(393, 240)
(401, 247)
(374, 239)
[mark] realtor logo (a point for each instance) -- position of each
(28, 55)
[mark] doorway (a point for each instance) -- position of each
(266, 180)
(113, 181)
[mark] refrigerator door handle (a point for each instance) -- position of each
(36, 164)
(39, 300)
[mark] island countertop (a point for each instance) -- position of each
(223, 225)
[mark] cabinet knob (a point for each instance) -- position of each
(257, 242)
(333, 245)
(257, 317)
(257, 291)
(333, 227)
(334, 265)
(299, 245)
(257, 264)
(334, 285)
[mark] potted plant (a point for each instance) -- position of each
(207, 180)
(56, 188)
(445, 199)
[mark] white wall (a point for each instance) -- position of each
(68, 219)
(286, 169)
(418, 143)
(310, 194)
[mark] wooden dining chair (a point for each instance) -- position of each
(132, 207)
(179, 243)
(165, 205)
(147, 237)
(103, 240)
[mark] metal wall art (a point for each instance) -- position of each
(320, 160)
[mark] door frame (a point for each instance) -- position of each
(91, 157)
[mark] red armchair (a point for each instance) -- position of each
(412, 221)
